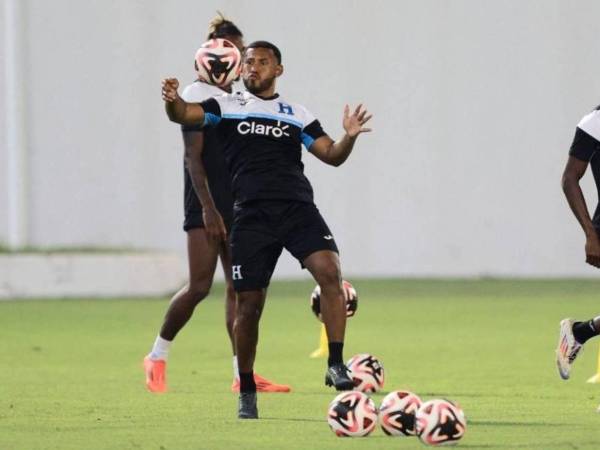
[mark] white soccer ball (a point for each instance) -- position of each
(218, 62)
(367, 372)
(349, 294)
(440, 422)
(397, 413)
(352, 414)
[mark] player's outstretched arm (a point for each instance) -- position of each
(177, 109)
(335, 153)
(574, 171)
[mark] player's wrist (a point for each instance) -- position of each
(591, 234)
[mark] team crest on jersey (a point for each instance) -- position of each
(241, 100)
(285, 109)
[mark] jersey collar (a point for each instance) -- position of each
(272, 97)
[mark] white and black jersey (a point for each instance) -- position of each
(586, 147)
(213, 159)
(262, 140)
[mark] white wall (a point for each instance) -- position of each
(475, 106)
(3, 152)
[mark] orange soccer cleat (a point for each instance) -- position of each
(262, 385)
(156, 380)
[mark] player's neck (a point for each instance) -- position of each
(268, 94)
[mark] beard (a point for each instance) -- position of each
(256, 86)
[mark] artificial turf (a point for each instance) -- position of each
(71, 373)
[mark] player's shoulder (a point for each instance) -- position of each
(591, 123)
(300, 112)
(199, 91)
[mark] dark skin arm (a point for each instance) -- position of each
(177, 109)
(574, 171)
(336, 153)
(213, 222)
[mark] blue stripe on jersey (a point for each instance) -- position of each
(263, 116)
(211, 119)
(307, 140)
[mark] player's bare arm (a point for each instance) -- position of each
(213, 222)
(574, 171)
(336, 153)
(177, 109)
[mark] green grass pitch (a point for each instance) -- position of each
(71, 373)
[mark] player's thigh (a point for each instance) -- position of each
(202, 257)
(324, 266)
(225, 257)
(255, 250)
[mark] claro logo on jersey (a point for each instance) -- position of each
(275, 131)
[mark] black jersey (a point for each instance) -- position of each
(586, 147)
(262, 140)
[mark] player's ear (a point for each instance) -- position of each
(279, 70)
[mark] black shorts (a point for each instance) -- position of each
(262, 229)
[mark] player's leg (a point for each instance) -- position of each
(309, 239)
(572, 336)
(254, 253)
(262, 384)
(202, 260)
(249, 309)
(324, 265)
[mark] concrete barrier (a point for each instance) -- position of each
(54, 275)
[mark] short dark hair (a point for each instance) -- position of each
(266, 44)
(220, 27)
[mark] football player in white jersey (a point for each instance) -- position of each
(207, 177)
(585, 151)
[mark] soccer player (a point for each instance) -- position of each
(585, 151)
(207, 222)
(274, 207)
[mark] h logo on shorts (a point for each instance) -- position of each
(236, 272)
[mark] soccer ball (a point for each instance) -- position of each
(352, 414)
(440, 422)
(218, 62)
(367, 372)
(349, 294)
(397, 413)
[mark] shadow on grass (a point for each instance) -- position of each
(558, 445)
(497, 423)
(291, 419)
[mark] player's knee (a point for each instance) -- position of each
(248, 308)
(330, 279)
(199, 291)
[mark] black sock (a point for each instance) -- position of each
(247, 383)
(335, 353)
(582, 331)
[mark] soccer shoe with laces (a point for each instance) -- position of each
(338, 375)
(262, 385)
(567, 350)
(247, 406)
(156, 380)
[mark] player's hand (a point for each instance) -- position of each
(592, 250)
(353, 123)
(214, 225)
(169, 89)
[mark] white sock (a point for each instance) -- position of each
(160, 350)
(236, 371)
